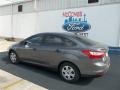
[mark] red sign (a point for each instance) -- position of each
(72, 14)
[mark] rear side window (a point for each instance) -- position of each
(85, 41)
(68, 42)
(52, 40)
(57, 41)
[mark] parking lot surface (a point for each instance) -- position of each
(51, 80)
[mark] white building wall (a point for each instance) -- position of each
(24, 25)
(109, 1)
(28, 7)
(60, 4)
(104, 20)
(5, 10)
(5, 26)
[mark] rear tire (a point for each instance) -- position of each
(13, 57)
(69, 72)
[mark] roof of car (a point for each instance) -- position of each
(59, 33)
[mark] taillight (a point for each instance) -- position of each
(94, 54)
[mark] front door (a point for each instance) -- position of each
(50, 51)
(27, 51)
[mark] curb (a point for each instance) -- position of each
(25, 85)
(12, 82)
(7, 79)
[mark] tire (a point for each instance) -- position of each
(69, 72)
(13, 57)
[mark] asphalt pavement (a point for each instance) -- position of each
(52, 81)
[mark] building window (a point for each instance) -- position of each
(20, 8)
(93, 1)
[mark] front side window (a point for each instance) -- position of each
(35, 40)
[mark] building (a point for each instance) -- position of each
(101, 18)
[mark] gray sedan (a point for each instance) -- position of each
(71, 55)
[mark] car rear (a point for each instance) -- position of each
(95, 58)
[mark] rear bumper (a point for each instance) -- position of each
(102, 69)
(97, 68)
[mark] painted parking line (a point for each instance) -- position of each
(12, 82)
(25, 85)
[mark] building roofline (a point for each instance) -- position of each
(15, 3)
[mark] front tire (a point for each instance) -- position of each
(13, 57)
(69, 72)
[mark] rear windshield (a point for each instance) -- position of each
(85, 40)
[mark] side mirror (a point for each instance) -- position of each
(27, 44)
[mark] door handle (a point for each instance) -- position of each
(34, 49)
(58, 51)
